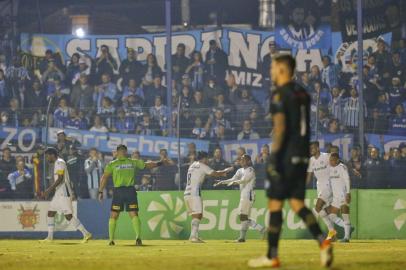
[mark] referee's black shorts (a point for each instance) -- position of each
(124, 199)
(290, 184)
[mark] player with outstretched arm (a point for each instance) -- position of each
(245, 178)
(123, 171)
(196, 174)
(287, 165)
(63, 197)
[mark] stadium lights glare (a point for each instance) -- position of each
(80, 33)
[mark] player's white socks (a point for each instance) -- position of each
(51, 227)
(326, 219)
(244, 228)
(255, 225)
(347, 225)
(78, 225)
(337, 220)
(194, 233)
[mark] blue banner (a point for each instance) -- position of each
(244, 48)
(303, 24)
(24, 138)
(147, 145)
(347, 51)
(253, 147)
(385, 142)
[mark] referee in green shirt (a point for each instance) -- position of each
(124, 170)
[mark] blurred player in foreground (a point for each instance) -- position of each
(63, 197)
(196, 174)
(287, 165)
(124, 170)
(340, 185)
(245, 177)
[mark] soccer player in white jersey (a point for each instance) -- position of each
(196, 174)
(340, 185)
(245, 177)
(319, 166)
(62, 200)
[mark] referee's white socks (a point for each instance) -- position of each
(51, 227)
(78, 225)
(195, 228)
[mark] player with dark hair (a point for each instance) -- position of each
(341, 188)
(287, 165)
(63, 197)
(123, 171)
(245, 178)
(196, 174)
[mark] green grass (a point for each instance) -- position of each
(173, 255)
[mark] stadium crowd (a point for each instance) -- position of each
(100, 95)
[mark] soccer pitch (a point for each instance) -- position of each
(295, 254)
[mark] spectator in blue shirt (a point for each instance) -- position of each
(106, 89)
(330, 72)
(61, 114)
(160, 114)
(21, 182)
(76, 120)
(397, 123)
(335, 105)
(153, 90)
(396, 93)
(133, 107)
(106, 111)
(132, 89)
(196, 71)
(123, 123)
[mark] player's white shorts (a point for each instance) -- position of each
(194, 205)
(61, 204)
(245, 206)
(339, 194)
(324, 191)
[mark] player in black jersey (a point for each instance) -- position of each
(287, 165)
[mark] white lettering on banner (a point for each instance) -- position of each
(160, 43)
(11, 133)
(308, 58)
(292, 224)
(247, 78)
(73, 45)
(112, 43)
(223, 215)
(212, 219)
(243, 48)
(21, 136)
(30, 216)
(205, 39)
(234, 220)
(142, 46)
